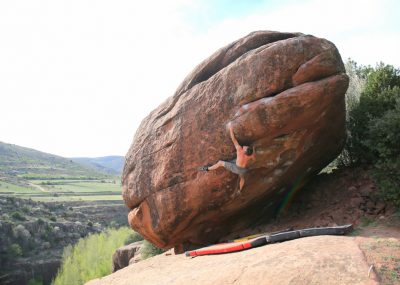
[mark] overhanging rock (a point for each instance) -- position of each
(283, 93)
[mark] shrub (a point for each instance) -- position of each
(113, 224)
(91, 257)
(133, 237)
(20, 232)
(148, 250)
(352, 99)
(383, 134)
(379, 95)
(25, 209)
(18, 216)
(373, 125)
(35, 281)
(15, 250)
(384, 140)
(356, 85)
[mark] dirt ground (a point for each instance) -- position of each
(380, 243)
(348, 196)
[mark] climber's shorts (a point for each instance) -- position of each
(232, 167)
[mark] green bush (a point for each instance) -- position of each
(384, 141)
(15, 250)
(373, 125)
(18, 216)
(91, 257)
(35, 281)
(25, 209)
(383, 134)
(148, 250)
(352, 99)
(378, 96)
(133, 237)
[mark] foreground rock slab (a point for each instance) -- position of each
(283, 94)
(313, 260)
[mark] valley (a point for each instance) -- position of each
(48, 203)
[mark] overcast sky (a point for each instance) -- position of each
(78, 76)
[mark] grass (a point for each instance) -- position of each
(380, 243)
(77, 187)
(148, 250)
(6, 187)
(64, 190)
(365, 222)
(384, 254)
(77, 198)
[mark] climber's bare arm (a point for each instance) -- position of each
(233, 138)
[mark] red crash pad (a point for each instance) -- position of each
(228, 247)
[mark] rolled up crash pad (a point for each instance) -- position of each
(284, 236)
(265, 239)
(228, 247)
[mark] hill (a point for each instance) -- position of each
(62, 201)
(26, 163)
(107, 164)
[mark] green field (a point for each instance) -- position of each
(31, 174)
(11, 189)
(63, 190)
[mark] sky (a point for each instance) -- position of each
(78, 76)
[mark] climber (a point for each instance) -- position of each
(244, 154)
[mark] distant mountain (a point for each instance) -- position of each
(27, 163)
(108, 164)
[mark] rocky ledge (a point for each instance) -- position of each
(314, 260)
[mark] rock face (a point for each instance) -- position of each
(314, 260)
(283, 93)
(124, 254)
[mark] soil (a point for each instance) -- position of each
(346, 196)
(380, 243)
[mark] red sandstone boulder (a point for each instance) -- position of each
(283, 93)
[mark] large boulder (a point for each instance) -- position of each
(283, 93)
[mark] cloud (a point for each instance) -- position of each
(78, 76)
(74, 72)
(367, 30)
